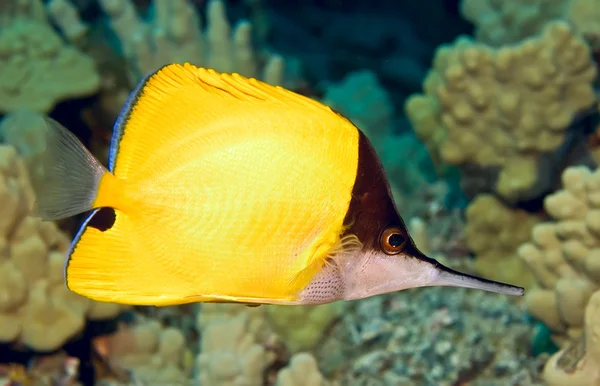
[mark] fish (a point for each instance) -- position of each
(222, 188)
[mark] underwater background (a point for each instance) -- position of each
(484, 112)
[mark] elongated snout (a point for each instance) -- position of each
(377, 273)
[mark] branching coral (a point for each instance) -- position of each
(39, 69)
(36, 309)
(175, 35)
(564, 256)
(502, 110)
(64, 14)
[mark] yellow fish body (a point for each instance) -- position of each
(223, 188)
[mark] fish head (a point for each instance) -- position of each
(383, 257)
(391, 262)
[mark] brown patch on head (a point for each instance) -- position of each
(372, 209)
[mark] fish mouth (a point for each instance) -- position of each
(451, 278)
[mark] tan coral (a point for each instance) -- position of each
(39, 69)
(48, 322)
(510, 21)
(501, 108)
(23, 129)
(418, 232)
(564, 255)
(586, 370)
(175, 35)
(215, 313)
(230, 355)
(153, 353)
(13, 293)
(494, 232)
(36, 309)
(301, 328)
(584, 15)
(301, 371)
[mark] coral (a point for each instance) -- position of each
(586, 372)
(175, 35)
(500, 110)
(23, 129)
(437, 230)
(36, 308)
(302, 371)
(418, 231)
(154, 354)
(39, 69)
(239, 343)
(362, 99)
(494, 232)
(584, 15)
(564, 256)
(215, 313)
(510, 21)
(55, 369)
(433, 336)
(64, 14)
(302, 327)
(230, 354)
(408, 166)
(594, 141)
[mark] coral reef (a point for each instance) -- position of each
(504, 114)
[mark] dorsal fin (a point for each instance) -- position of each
(179, 98)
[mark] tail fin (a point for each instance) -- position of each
(70, 175)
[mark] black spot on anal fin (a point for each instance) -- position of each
(103, 220)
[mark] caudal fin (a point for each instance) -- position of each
(70, 176)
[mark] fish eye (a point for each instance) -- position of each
(392, 241)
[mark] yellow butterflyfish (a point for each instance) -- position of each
(221, 188)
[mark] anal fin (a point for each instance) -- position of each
(105, 263)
